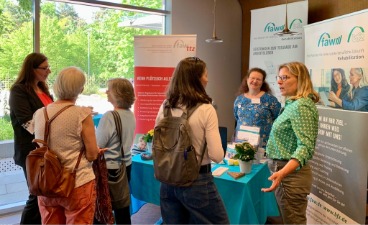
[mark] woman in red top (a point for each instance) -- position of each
(28, 93)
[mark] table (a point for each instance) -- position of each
(96, 119)
(243, 199)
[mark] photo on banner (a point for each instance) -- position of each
(336, 52)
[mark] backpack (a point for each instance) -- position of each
(174, 157)
(46, 176)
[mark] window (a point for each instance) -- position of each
(97, 37)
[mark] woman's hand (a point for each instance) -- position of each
(276, 179)
(332, 96)
(102, 150)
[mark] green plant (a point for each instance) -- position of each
(244, 151)
(6, 131)
(149, 136)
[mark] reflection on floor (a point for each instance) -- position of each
(148, 214)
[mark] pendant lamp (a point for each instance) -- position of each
(214, 38)
(286, 31)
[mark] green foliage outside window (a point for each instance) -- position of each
(6, 131)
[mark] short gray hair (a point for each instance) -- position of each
(69, 83)
(122, 91)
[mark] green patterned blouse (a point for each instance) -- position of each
(294, 132)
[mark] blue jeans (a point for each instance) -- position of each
(199, 203)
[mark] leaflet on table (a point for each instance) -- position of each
(248, 133)
(244, 133)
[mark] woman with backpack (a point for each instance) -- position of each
(71, 132)
(200, 202)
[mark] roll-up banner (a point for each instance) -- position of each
(155, 58)
(336, 52)
(268, 50)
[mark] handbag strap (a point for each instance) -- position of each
(118, 129)
(47, 131)
(48, 121)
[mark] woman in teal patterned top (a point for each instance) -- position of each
(255, 105)
(292, 141)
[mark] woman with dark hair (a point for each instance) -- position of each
(357, 96)
(28, 93)
(255, 105)
(199, 203)
(339, 84)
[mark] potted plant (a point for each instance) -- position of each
(245, 154)
(148, 139)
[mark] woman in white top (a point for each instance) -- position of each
(199, 203)
(69, 132)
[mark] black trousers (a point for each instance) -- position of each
(31, 212)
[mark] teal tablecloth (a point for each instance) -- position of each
(244, 201)
(96, 119)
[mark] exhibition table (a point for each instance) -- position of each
(244, 201)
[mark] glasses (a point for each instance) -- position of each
(282, 78)
(44, 68)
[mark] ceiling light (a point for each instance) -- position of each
(214, 38)
(286, 31)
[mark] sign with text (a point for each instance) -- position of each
(267, 50)
(155, 58)
(336, 54)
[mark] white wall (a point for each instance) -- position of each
(223, 59)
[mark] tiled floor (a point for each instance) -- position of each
(148, 214)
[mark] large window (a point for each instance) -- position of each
(96, 36)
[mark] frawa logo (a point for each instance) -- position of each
(326, 40)
(180, 44)
(271, 27)
(356, 34)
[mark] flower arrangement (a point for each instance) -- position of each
(149, 136)
(245, 151)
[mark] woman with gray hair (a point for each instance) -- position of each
(120, 93)
(357, 97)
(70, 132)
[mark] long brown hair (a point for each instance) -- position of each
(244, 84)
(27, 75)
(185, 86)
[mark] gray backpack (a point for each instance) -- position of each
(174, 157)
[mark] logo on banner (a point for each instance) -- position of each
(296, 24)
(182, 44)
(356, 34)
(271, 27)
(326, 40)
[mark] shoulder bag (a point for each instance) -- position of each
(46, 176)
(118, 182)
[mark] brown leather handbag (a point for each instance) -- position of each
(46, 176)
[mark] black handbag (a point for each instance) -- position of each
(118, 179)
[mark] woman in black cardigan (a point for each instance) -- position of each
(28, 93)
